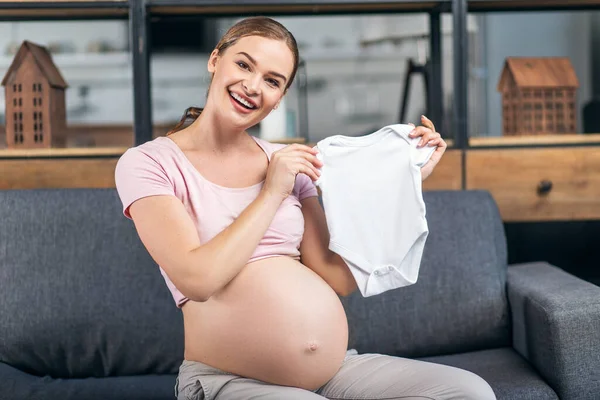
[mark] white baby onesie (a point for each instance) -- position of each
(371, 192)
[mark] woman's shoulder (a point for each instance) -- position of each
(156, 147)
(157, 150)
(150, 159)
(143, 171)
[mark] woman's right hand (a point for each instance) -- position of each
(288, 162)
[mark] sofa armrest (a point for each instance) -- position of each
(556, 327)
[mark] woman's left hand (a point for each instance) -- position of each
(429, 137)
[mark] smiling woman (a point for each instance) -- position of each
(236, 227)
(257, 45)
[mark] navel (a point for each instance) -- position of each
(312, 346)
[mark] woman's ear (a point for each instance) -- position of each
(212, 61)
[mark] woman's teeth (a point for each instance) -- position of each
(241, 100)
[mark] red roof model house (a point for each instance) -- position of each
(35, 100)
(538, 96)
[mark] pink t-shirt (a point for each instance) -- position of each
(159, 167)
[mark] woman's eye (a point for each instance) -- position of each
(242, 64)
(273, 82)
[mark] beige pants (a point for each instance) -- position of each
(365, 377)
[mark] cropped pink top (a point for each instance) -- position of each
(159, 167)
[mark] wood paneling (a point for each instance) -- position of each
(57, 173)
(529, 140)
(62, 152)
(447, 174)
(33, 170)
(514, 175)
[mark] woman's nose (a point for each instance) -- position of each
(251, 85)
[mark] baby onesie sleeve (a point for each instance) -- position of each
(139, 175)
(420, 156)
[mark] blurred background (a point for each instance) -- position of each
(355, 67)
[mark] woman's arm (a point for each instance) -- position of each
(198, 271)
(315, 253)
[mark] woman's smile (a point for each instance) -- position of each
(242, 103)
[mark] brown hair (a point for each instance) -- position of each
(253, 26)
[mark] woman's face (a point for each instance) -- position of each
(249, 79)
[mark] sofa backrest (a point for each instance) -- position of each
(80, 296)
(459, 302)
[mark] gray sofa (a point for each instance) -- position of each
(85, 313)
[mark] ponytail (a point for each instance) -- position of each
(190, 112)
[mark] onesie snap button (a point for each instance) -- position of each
(391, 268)
(377, 273)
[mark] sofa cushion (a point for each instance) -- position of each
(80, 294)
(459, 302)
(511, 377)
(20, 386)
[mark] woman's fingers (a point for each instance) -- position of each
(419, 131)
(427, 138)
(300, 147)
(426, 128)
(439, 141)
(308, 156)
(307, 168)
(427, 122)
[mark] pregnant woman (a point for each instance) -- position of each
(235, 225)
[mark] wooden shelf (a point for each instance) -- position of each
(95, 152)
(531, 5)
(180, 7)
(499, 141)
(70, 152)
(63, 9)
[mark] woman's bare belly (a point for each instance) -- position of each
(276, 321)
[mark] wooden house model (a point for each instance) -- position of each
(538, 96)
(35, 100)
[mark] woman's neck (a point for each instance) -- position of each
(208, 132)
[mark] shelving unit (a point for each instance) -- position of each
(215, 8)
(292, 7)
(463, 167)
(535, 179)
(63, 10)
(531, 5)
(139, 13)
